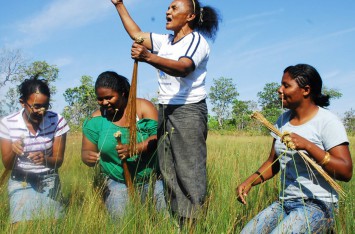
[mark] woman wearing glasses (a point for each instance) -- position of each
(32, 144)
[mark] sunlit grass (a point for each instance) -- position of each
(230, 160)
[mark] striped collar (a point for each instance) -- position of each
(46, 122)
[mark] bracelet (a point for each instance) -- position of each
(326, 159)
(138, 40)
(260, 175)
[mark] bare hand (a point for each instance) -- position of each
(299, 142)
(139, 52)
(123, 151)
(242, 192)
(36, 157)
(115, 2)
(90, 157)
(17, 147)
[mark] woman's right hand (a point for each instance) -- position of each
(90, 158)
(17, 147)
(242, 192)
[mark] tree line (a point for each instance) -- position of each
(229, 113)
(234, 114)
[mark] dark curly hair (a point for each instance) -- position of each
(207, 19)
(32, 85)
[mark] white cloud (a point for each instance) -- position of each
(253, 17)
(64, 14)
(61, 62)
(60, 15)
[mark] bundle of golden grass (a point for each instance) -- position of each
(131, 110)
(287, 141)
(131, 106)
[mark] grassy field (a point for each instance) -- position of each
(230, 160)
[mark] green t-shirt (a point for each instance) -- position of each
(100, 131)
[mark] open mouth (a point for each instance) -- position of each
(168, 19)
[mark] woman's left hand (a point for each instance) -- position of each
(123, 151)
(36, 157)
(299, 142)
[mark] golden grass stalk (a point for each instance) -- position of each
(131, 110)
(131, 106)
(258, 116)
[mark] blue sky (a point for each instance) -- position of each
(256, 41)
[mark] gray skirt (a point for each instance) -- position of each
(182, 154)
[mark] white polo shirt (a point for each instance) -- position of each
(13, 127)
(182, 90)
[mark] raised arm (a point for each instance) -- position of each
(130, 25)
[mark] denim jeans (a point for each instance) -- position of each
(182, 153)
(34, 197)
(116, 197)
(294, 216)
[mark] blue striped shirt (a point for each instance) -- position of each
(13, 127)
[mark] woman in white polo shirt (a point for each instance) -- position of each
(181, 62)
(32, 146)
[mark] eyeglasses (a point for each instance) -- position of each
(39, 107)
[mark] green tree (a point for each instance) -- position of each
(14, 69)
(222, 94)
(349, 121)
(333, 93)
(271, 106)
(269, 98)
(81, 102)
(12, 100)
(242, 111)
(11, 62)
(212, 123)
(46, 71)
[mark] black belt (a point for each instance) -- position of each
(29, 176)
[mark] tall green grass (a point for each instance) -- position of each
(230, 160)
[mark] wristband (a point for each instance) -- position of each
(261, 176)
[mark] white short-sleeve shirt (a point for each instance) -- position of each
(13, 127)
(182, 90)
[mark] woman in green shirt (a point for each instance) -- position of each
(100, 146)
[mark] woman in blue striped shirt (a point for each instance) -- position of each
(32, 146)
